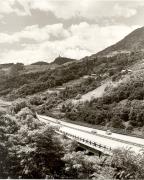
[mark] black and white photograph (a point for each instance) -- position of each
(72, 89)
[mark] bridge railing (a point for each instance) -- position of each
(112, 138)
(114, 130)
(80, 139)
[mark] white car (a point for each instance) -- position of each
(94, 132)
(108, 132)
(58, 122)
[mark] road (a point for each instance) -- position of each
(4, 103)
(112, 141)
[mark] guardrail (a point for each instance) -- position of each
(100, 135)
(114, 130)
(80, 139)
(83, 140)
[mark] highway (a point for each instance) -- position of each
(4, 103)
(86, 136)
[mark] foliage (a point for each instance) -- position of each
(14, 69)
(85, 86)
(127, 164)
(40, 157)
(18, 105)
(79, 165)
(27, 148)
(8, 127)
(24, 84)
(30, 150)
(104, 111)
(62, 60)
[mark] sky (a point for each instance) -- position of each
(41, 30)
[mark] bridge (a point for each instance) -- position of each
(94, 138)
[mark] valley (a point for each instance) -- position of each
(87, 98)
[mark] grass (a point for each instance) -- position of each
(37, 68)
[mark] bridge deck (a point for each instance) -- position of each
(106, 142)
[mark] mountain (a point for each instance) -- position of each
(62, 60)
(33, 79)
(111, 86)
(40, 63)
(6, 65)
(132, 42)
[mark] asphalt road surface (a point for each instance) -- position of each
(113, 140)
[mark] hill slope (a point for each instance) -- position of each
(132, 42)
(28, 81)
(40, 63)
(62, 60)
(120, 102)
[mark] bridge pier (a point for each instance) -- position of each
(82, 147)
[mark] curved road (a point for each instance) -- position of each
(112, 141)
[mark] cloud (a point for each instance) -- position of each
(124, 11)
(68, 9)
(78, 41)
(25, 5)
(95, 38)
(35, 33)
(6, 7)
(12, 6)
(34, 42)
(90, 9)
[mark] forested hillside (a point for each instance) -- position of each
(62, 60)
(20, 84)
(29, 149)
(108, 110)
(120, 105)
(70, 92)
(72, 89)
(132, 42)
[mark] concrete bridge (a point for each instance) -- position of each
(94, 138)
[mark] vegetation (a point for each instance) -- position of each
(62, 60)
(40, 63)
(132, 42)
(28, 149)
(29, 83)
(125, 114)
(85, 86)
(121, 108)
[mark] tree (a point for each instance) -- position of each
(81, 166)
(39, 154)
(8, 127)
(127, 164)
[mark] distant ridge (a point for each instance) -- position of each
(62, 60)
(132, 42)
(7, 65)
(40, 63)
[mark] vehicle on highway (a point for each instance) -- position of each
(94, 132)
(108, 132)
(56, 127)
(58, 122)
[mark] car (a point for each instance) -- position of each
(94, 132)
(78, 97)
(108, 132)
(58, 122)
